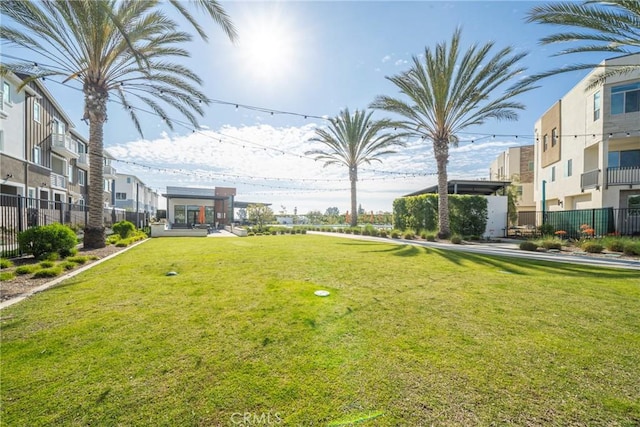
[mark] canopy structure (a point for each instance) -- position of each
(467, 187)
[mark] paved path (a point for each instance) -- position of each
(504, 248)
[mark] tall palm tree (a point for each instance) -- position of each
(113, 47)
(611, 26)
(352, 140)
(449, 91)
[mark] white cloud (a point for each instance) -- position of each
(386, 58)
(400, 62)
(267, 164)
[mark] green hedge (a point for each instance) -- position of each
(467, 214)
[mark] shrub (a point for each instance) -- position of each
(374, 232)
(124, 229)
(46, 264)
(113, 239)
(48, 272)
(27, 269)
(551, 243)
(78, 259)
(382, 233)
(546, 229)
(408, 235)
(356, 231)
(431, 237)
(456, 240)
(123, 243)
(395, 234)
(5, 263)
(348, 231)
(631, 248)
(304, 231)
(528, 245)
(614, 244)
(67, 265)
(47, 239)
(7, 275)
(592, 247)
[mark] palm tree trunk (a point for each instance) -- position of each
(353, 177)
(95, 111)
(441, 151)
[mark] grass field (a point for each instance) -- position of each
(408, 336)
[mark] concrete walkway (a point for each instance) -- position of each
(221, 233)
(509, 248)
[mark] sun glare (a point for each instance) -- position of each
(268, 50)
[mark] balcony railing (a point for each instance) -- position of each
(83, 159)
(58, 181)
(623, 176)
(590, 179)
(109, 171)
(64, 145)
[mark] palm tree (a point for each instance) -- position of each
(611, 26)
(450, 91)
(113, 47)
(352, 140)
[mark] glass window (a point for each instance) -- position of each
(6, 92)
(70, 173)
(121, 196)
(1, 140)
(530, 166)
(36, 155)
(569, 168)
(36, 111)
(554, 137)
(596, 106)
(179, 214)
(625, 98)
(614, 159)
(81, 177)
(128, 180)
(553, 174)
(545, 143)
(630, 159)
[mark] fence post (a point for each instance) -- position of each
(20, 214)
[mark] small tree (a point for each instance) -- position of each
(260, 214)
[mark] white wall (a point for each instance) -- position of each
(496, 217)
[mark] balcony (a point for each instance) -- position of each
(109, 172)
(64, 146)
(83, 159)
(623, 176)
(58, 181)
(590, 179)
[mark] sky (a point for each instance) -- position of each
(297, 62)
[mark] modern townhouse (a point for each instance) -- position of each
(587, 150)
(40, 151)
(133, 195)
(517, 165)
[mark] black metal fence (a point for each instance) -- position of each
(577, 223)
(18, 213)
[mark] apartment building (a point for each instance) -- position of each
(517, 165)
(40, 153)
(587, 149)
(133, 195)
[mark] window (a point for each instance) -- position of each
(121, 196)
(569, 168)
(554, 137)
(70, 173)
(106, 185)
(82, 176)
(36, 155)
(545, 143)
(530, 166)
(128, 180)
(519, 190)
(596, 106)
(1, 140)
(625, 98)
(31, 197)
(624, 159)
(553, 174)
(36, 111)
(179, 214)
(6, 93)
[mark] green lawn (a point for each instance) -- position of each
(408, 336)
